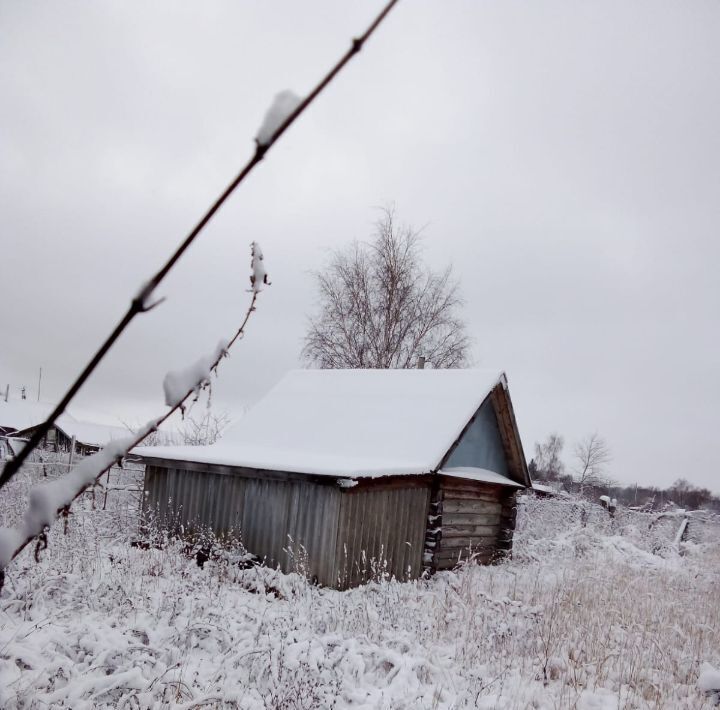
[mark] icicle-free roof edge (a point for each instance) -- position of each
(350, 423)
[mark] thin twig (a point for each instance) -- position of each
(136, 440)
(142, 301)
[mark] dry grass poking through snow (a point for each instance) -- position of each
(583, 617)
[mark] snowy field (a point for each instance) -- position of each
(590, 614)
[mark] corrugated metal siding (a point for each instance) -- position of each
(270, 516)
(381, 530)
(481, 445)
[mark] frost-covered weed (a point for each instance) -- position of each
(583, 616)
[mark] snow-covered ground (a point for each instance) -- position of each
(590, 614)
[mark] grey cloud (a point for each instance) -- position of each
(562, 155)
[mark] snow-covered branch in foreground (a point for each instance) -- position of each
(178, 384)
(283, 106)
(283, 112)
(709, 679)
(49, 500)
(259, 276)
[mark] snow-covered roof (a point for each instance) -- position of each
(349, 423)
(543, 488)
(479, 474)
(15, 445)
(88, 432)
(548, 490)
(23, 413)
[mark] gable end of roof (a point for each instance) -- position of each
(499, 397)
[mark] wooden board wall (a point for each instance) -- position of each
(287, 522)
(381, 530)
(347, 535)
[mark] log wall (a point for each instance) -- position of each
(468, 518)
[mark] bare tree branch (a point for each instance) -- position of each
(38, 516)
(548, 462)
(143, 300)
(592, 455)
(380, 307)
(204, 430)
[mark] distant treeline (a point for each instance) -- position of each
(589, 474)
(681, 493)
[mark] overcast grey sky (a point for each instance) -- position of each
(564, 157)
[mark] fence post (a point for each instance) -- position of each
(71, 457)
(107, 484)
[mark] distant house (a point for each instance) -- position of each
(89, 437)
(356, 470)
(20, 418)
(17, 414)
(544, 491)
(10, 446)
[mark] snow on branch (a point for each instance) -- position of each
(282, 113)
(709, 679)
(282, 107)
(48, 501)
(259, 276)
(178, 385)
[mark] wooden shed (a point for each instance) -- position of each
(88, 436)
(346, 473)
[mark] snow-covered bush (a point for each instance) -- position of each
(572, 526)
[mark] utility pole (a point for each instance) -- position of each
(39, 383)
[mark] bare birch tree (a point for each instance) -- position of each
(592, 454)
(381, 307)
(547, 461)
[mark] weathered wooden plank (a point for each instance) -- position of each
(381, 525)
(441, 565)
(483, 554)
(470, 499)
(451, 555)
(463, 543)
(471, 506)
(471, 519)
(388, 483)
(449, 483)
(450, 531)
(469, 494)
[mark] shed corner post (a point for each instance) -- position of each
(146, 501)
(433, 527)
(508, 519)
